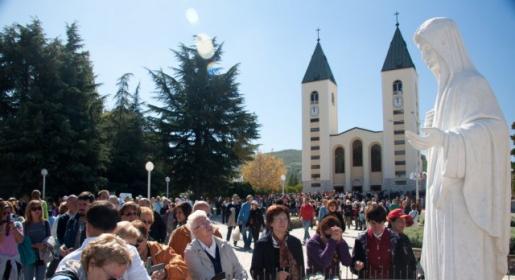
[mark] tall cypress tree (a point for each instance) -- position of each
(203, 126)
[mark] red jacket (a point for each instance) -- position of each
(307, 212)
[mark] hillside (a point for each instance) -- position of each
(293, 161)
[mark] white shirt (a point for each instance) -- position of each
(136, 270)
(211, 249)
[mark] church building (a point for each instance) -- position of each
(360, 159)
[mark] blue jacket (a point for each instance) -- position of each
(243, 216)
(71, 232)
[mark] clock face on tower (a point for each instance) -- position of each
(314, 111)
(397, 102)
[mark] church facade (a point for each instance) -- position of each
(359, 159)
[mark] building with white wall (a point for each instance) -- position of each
(359, 159)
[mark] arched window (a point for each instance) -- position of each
(339, 160)
(314, 97)
(397, 87)
(375, 156)
(357, 153)
(332, 97)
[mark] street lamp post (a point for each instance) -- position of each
(167, 180)
(44, 172)
(283, 179)
(149, 166)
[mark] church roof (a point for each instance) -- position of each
(318, 69)
(398, 56)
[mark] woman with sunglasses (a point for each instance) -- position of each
(37, 229)
(11, 234)
(130, 211)
(175, 268)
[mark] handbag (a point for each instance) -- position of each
(27, 255)
(236, 234)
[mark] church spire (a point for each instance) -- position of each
(318, 68)
(398, 56)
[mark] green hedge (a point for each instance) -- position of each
(416, 234)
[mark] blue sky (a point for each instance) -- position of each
(273, 41)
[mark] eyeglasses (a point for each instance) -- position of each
(205, 224)
(36, 209)
(130, 214)
(138, 242)
(147, 222)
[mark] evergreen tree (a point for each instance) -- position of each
(51, 112)
(203, 130)
(125, 138)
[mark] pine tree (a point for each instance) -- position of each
(203, 130)
(52, 112)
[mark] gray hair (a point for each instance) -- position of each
(193, 218)
(200, 203)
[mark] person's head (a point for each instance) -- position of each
(63, 207)
(35, 195)
(126, 231)
(34, 211)
(254, 204)
(72, 203)
(398, 221)
(106, 257)
(147, 217)
(103, 195)
(6, 209)
(235, 198)
(249, 198)
(84, 202)
(114, 200)
(145, 202)
(200, 226)
(332, 206)
(202, 205)
(325, 225)
(278, 218)
(142, 242)
(181, 212)
(376, 216)
(101, 218)
(130, 211)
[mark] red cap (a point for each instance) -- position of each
(398, 213)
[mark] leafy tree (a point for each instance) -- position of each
(264, 172)
(49, 112)
(203, 131)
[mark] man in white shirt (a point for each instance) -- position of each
(102, 217)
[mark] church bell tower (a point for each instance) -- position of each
(400, 113)
(319, 121)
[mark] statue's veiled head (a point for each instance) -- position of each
(442, 47)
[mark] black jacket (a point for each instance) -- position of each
(264, 259)
(158, 229)
(404, 264)
(255, 219)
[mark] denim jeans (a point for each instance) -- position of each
(247, 236)
(306, 225)
(29, 271)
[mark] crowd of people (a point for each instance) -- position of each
(101, 236)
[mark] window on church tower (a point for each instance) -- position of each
(375, 156)
(314, 97)
(397, 87)
(357, 153)
(332, 98)
(339, 160)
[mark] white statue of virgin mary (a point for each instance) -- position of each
(467, 218)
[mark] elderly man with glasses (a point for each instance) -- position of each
(208, 256)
